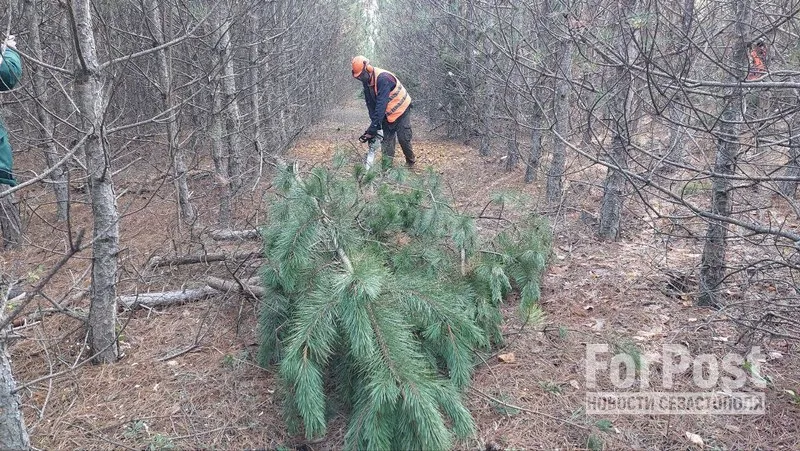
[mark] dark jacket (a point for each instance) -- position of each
(376, 105)
(10, 73)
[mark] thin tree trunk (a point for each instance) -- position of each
(231, 117)
(13, 434)
(562, 104)
(789, 187)
(486, 122)
(91, 100)
(535, 157)
(57, 178)
(10, 222)
(712, 266)
(186, 211)
(255, 93)
(621, 120)
(512, 153)
(792, 168)
(677, 110)
(220, 163)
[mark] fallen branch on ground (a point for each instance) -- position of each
(235, 235)
(534, 412)
(223, 285)
(151, 300)
(205, 258)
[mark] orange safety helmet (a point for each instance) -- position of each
(360, 64)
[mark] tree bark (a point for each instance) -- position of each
(712, 266)
(534, 159)
(792, 169)
(89, 84)
(206, 258)
(677, 110)
(255, 93)
(562, 104)
(10, 222)
(253, 291)
(185, 209)
(58, 178)
(153, 300)
(13, 434)
(789, 187)
(220, 162)
(235, 235)
(621, 121)
(231, 122)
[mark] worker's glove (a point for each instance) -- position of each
(370, 135)
(10, 42)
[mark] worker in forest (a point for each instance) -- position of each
(10, 73)
(389, 106)
(758, 62)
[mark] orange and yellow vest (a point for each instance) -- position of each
(399, 100)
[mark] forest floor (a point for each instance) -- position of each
(188, 378)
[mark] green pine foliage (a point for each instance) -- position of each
(369, 309)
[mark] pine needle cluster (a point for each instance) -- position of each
(370, 309)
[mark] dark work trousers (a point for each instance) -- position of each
(402, 129)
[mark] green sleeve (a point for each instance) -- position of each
(10, 70)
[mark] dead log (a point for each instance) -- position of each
(205, 258)
(226, 286)
(166, 298)
(235, 235)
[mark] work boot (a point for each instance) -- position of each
(410, 163)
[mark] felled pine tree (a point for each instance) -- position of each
(369, 307)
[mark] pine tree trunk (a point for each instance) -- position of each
(13, 434)
(486, 122)
(220, 163)
(89, 83)
(58, 178)
(231, 124)
(157, 17)
(562, 104)
(539, 93)
(255, 93)
(621, 108)
(512, 153)
(677, 110)
(9, 221)
(789, 187)
(535, 157)
(712, 266)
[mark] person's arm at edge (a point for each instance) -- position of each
(10, 70)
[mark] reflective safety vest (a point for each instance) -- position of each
(758, 69)
(399, 100)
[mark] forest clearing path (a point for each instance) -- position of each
(468, 176)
